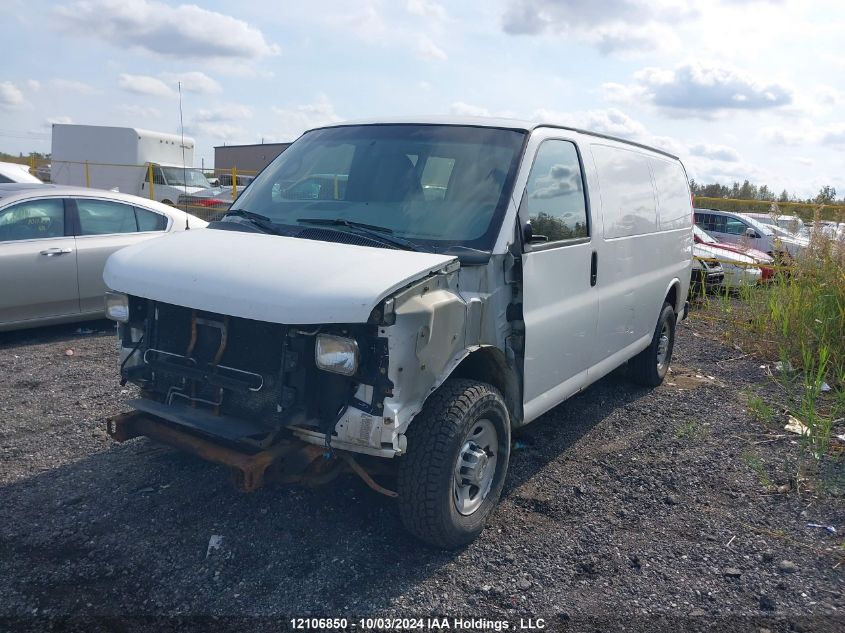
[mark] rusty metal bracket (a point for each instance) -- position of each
(250, 467)
(356, 468)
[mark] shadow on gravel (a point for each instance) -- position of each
(55, 333)
(559, 430)
(126, 532)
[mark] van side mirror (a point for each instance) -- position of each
(529, 237)
(749, 232)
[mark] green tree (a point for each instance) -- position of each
(826, 195)
(747, 191)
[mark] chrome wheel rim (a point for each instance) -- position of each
(663, 347)
(475, 467)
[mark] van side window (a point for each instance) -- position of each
(554, 196)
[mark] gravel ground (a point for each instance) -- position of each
(625, 509)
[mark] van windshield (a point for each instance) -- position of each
(435, 185)
(178, 177)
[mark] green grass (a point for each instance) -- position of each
(691, 430)
(759, 409)
(754, 462)
(799, 319)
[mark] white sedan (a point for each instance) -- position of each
(740, 269)
(54, 242)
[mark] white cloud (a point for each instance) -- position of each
(834, 134)
(71, 85)
(33, 84)
(53, 120)
(145, 85)
(362, 19)
(611, 25)
(220, 123)
(429, 51)
(804, 161)
(292, 122)
(179, 31)
(696, 88)
(139, 112)
(10, 95)
(426, 9)
(231, 112)
(219, 131)
(715, 152)
(609, 121)
(194, 81)
(829, 97)
(459, 108)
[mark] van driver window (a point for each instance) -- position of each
(554, 196)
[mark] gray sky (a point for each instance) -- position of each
(738, 88)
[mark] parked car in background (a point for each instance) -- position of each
(350, 316)
(790, 223)
(210, 204)
(739, 269)
(54, 242)
(16, 172)
(737, 228)
(707, 274)
(761, 260)
(224, 179)
(829, 229)
(43, 172)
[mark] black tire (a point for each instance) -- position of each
(436, 437)
(644, 368)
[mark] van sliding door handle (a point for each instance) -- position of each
(594, 268)
(50, 252)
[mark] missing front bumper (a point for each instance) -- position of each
(313, 465)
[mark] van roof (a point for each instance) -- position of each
(497, 122)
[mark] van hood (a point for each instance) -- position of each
(266, 277)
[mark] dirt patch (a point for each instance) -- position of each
(681, 378)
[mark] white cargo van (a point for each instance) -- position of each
(119, 158)
(442, 283)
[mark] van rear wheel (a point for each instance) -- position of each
(452, 475)
(650, 366)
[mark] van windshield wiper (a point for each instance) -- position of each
(381, 233)
(256, 219)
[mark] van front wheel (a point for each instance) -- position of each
(650, 366)
(453, 473)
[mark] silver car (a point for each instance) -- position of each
(54, 242)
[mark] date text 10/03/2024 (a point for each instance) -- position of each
(421, 624)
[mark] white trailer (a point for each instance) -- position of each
(123, 158)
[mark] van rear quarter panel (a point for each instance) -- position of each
(646, 242)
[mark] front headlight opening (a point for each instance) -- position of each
(337, 354)
(117, 307)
